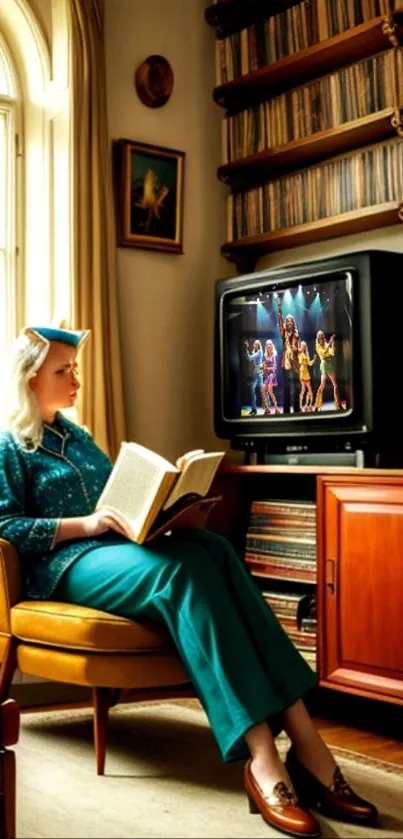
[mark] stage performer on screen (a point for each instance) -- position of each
(305, 363)
(325, 350)
(256, 381)
(269, 378)
(289, 362)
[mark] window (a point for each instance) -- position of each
(35, 176)
(8, 189)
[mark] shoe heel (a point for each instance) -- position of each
(253, 808)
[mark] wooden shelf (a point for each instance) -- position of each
(230, 468)
(245, 252)
(229, 16)
(259, 167)
(324, 57)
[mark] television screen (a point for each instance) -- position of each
(288, 349)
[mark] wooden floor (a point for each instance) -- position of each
(374, 729)
(364, 742)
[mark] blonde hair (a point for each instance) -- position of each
(23, 416)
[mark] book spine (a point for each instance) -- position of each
(267, 568)
(288, 552)
(287, 537)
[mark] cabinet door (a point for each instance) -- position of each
(360, 585)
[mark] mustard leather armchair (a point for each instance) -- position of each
(82, 646)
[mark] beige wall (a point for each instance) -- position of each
(166, 300)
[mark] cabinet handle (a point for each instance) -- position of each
(330, 575)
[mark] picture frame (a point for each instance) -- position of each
(149, 189)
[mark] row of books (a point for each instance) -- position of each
(281, 540)
(360, 89)
(365, 178)
(281, 546)
(294, 29)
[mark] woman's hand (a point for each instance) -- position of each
(99, 522)
(86, 527)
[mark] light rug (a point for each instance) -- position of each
(164, 778)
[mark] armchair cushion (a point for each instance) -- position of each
(67, 626)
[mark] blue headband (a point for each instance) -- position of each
(75, 338)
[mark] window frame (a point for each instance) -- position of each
(10, 113)
(43, 225)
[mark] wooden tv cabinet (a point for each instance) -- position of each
(360, 564)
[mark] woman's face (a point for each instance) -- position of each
(56, 384)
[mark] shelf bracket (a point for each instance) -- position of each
(397, 121)
(389, 28)
(244, 262)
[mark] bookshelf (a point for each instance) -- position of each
(246, 92)
(246, 251)
(356, 43)
(285, 158)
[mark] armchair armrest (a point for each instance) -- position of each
(10, 583)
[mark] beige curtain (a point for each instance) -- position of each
(95, 274)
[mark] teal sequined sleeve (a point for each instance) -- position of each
(28, 534)
(62, 478)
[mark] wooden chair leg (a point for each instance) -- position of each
(8, 667)
(7, 794)
(9, 733)
(102, 702)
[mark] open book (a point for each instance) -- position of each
(145, 493)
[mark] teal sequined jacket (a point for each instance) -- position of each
(63, 478)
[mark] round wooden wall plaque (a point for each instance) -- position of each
(154, 81)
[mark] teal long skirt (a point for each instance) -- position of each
(241, 662)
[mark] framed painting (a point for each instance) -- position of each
(149, 182)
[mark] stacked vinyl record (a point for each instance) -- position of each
(281, 547)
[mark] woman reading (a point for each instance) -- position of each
(247, 674)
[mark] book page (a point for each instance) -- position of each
(196, 477)
(193, 453)
(148, 455)
(135, 481)
(182, 461)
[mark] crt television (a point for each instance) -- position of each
(308, 357)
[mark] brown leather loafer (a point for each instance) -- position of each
(281, 809)
(338, 800)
